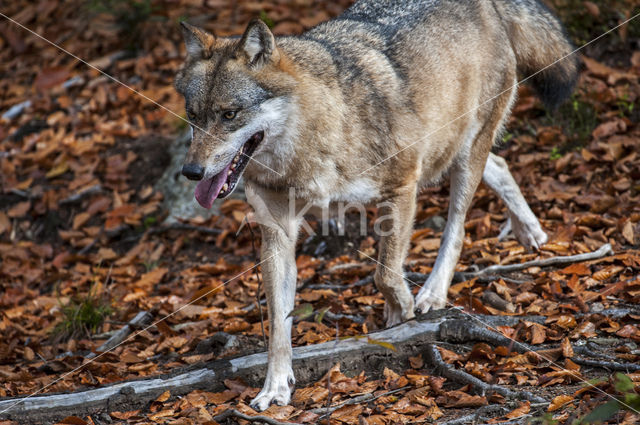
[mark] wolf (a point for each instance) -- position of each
(374, 105)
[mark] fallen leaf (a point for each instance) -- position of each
(559, 402)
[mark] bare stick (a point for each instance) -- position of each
(603, 251)
(365, 398)
(79, 196)
(478, 415)
(233, 413)
(141, 319)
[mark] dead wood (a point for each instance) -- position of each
(365, 398)
(608, 365)
(479, 414)
(233, 413)
(433, 356)
(603, 251)
(310, 363)
(143, 318)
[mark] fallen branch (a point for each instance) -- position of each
(603, 251)
(141, 319)
(310, 363)
(444, 369)
(233, 413)
(478, 415)
(365, 398)
(79, 196)
(626, 367)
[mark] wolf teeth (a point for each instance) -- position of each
(229, 172)
(225, 187)
(236, 159)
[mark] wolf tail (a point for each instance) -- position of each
(541, 47)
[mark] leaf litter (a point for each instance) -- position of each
(77, 217)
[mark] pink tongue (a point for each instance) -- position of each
(207, 190)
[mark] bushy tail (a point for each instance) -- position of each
(539, 39)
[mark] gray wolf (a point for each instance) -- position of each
(370, 106)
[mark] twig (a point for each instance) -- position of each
(516, 421)
(337, 316)
(606, 365)
(603, 251)
(365, 398)
(79, 196)
(474, 417)
(233, 413)
(449, 372)
(141, 319)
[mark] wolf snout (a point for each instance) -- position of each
(193, 171)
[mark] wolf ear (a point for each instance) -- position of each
(257, 44)
(198, 41)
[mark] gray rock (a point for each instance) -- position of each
(436, 223)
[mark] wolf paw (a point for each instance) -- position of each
(429, 300)
(528, 232)
(395, 315)
(276, 390)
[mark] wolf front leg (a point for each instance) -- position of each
(465, 177)
(522, 221)
(279, 234)
(394, 227)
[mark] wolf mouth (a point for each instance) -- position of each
(222, 184)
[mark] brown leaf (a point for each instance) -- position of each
(164, 396)
(592, 8)
(567, 349)
(559, 401)
(19, 209)
(627, 232)
(416, 362)
(73, 420)
(609, 128)
(522, 409)
(459, 399)
(579, 269)
(124, 415)
(50, 77)
(223, 397)
(538, 334)
(5, 224)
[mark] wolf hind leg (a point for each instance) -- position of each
(521, 220)
(394, 228)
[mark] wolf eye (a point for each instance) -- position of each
(191, 116)
(229, 115)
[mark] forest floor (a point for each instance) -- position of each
(83, 249)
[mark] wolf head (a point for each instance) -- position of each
(237, 99)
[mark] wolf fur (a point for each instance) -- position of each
(368, 107)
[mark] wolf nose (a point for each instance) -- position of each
(193, 171)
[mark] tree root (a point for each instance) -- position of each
(233, 413)
(459, 330)
(478, 415)
(446, 370)
(366, 398)
(625, 367)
